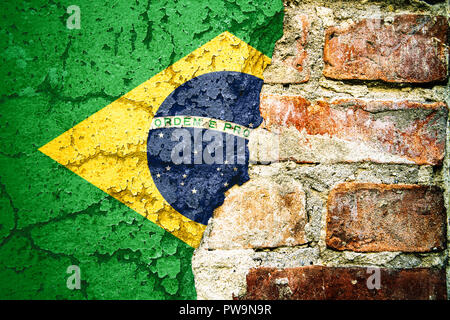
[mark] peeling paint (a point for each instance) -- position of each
(53, 78)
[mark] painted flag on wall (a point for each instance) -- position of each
(90, 119)
(126, 149)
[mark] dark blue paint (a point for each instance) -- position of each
(228, 96)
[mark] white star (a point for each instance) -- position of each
(158, 175)
(251, 125)
(195, 152)
(182, 183)
(161, 134)
(184, 176)
(225, 184)
(168, 168)
(194, 190)
(226, 162)
(218, 169)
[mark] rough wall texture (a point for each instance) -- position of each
(52, 79)
(356, 124)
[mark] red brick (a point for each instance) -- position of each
(367, 217)
(364, 130)
(413, 48)
(334, 283)
(275, 216)
(290, 58)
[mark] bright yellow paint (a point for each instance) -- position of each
(108, 149)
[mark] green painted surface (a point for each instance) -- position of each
(53, 78)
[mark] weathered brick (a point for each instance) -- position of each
(335, 283)
(290, 58)
(378, 217)
(411, 48)
(259, 214)
(354, 130)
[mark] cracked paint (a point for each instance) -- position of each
(53, 78)
(109, 149)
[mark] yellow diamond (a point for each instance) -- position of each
(109, 149)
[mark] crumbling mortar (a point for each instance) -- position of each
(317, 187)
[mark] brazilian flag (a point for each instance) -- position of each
(88, 207)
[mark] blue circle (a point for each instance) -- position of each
(195, 190)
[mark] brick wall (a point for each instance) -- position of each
(349, 189)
